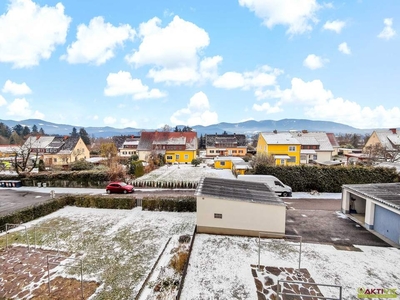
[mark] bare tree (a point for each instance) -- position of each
(377, 152)
(262, 159)
(25, 157)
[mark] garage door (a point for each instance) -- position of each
(387, 223)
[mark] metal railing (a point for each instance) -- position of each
(15, 226)
(279, 293)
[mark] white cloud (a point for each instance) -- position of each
(296, 14)
(209, 67)
(20, 108)
(314, 62)
(96, 43)
(30, 32)
(335, 26)
(344, 48)
(388, 32)
(320, 103)
(2, 101)
(174, 51)
(196, 113)
(264, 76)
(128, 123)
(121, 83)
(267, 107)
(16, 88)
(109, 120)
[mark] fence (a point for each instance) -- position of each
(279, 293)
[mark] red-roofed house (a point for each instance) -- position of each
(178, 147)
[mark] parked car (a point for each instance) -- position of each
(274, 183)
(119, 187)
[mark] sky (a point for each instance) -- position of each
(150, 63)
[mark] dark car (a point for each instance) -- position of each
(119, 187)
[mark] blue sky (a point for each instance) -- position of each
(145, 64)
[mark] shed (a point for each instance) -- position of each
(233, 207)
(376, 206)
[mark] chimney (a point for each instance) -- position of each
(393, 130)
(304, 131)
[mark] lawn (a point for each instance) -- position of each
(118, 247)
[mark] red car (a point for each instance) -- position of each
(119, 187)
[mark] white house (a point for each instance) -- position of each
(229, 206)
(375, 206)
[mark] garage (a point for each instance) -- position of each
(376, 207)
(235, 207)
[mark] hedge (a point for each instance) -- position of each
(327, 179)
(177, 204)
(41, 210)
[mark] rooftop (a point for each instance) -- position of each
(283, 138)
(233, 189)
(386, 193)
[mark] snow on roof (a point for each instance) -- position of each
(314, 138)
(284, 138)
(231, 158)
(383, 136)
(38, 142)
(238, 190)
(386, 193)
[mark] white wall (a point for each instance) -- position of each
(324, 156)
(241, 215)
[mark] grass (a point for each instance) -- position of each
(118, 248)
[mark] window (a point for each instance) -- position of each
(222, 163)
(282, 162)
(211, 151)
(292, 159)
(169, 157)
(177, 156)
(240, 151)
(234, 151)
(217, 216)
(292, 148)
(186, 156)
(314, 157)
(55, 160)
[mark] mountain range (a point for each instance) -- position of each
(248, 127)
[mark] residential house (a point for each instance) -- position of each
(230, 206)
(226, 145)
(388, 139)
(334, 143)
(315, 146)
(58, 151)
(176, 147)
(129, 147)
(283, 147)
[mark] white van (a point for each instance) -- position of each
(274, 183)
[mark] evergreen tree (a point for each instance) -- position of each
(15, 139)
(18, 129)
(41, 131)
(84, 136)
(176, 129)
(26, 131)
(35, 129)
(5, 130)
(74, 133)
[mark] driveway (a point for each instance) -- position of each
(320, 221)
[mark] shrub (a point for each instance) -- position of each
(80, 165)
(196, 161)
(327, 179)
(178, 204)
(179, 260)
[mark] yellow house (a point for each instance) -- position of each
(65, 150)
(284, 148)
(236, 164)
(177, 147)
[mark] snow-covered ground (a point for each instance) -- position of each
(185, 172)
(220, 266)
(119, 247)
